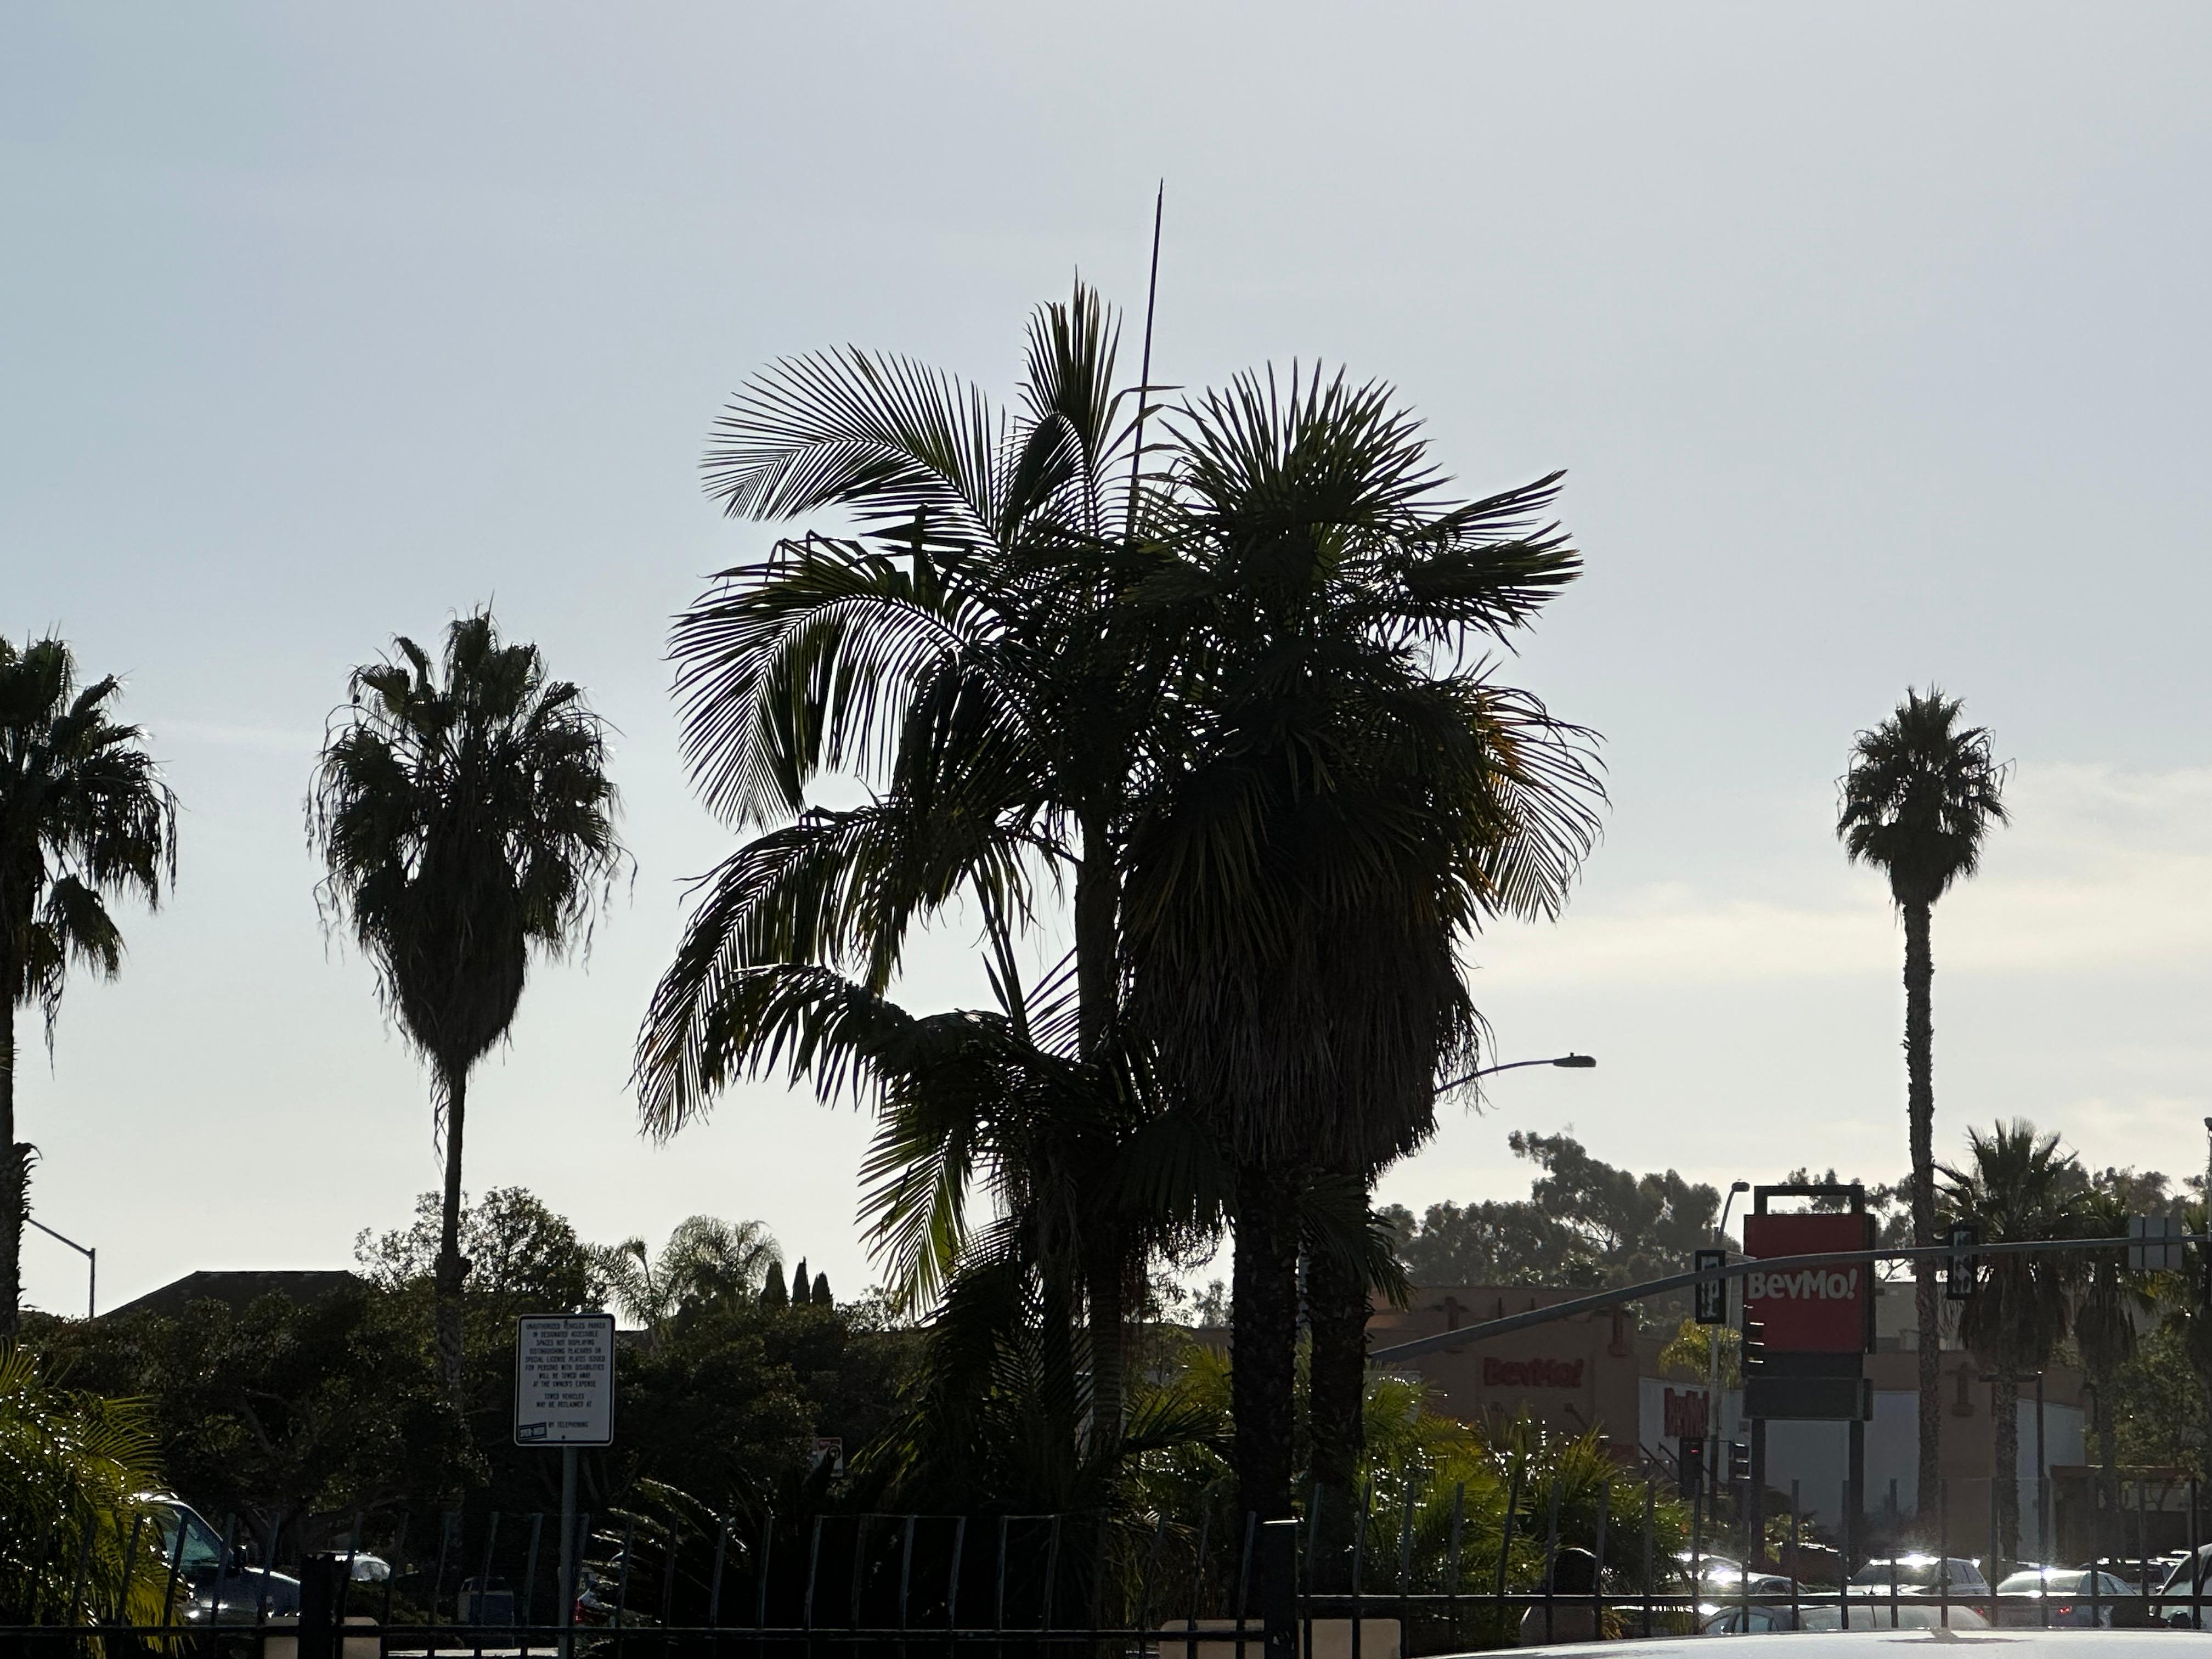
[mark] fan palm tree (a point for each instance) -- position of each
(2016, 1185)
(2104, 1326)
(463, 811)
(84, 816)
(958, 656)
(1350, 795)
(1916, 804)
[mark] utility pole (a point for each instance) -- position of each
(91, 1255)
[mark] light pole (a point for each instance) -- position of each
(1573, 1062)
(1713, 1340)
(91, 1255)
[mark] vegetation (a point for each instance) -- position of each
(1917, 803)
(463, 814)
(73, 1470)
(84, 817)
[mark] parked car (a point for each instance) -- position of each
(1954, 1576)
(2074, 1595)
(220, 1587)
(2180, 1580)
(1827, 1615)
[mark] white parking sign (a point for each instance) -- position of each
(564, 1381)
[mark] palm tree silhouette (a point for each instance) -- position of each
(464, 817)
(84, 816)
(1916, 804)
(2016, 1186)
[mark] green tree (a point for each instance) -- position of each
(1349, 794)
(465, 819)
(2015, 1185)
(705, 1262)
(75, 1472)
(84, 816)
(958, 656)
(1917, 803)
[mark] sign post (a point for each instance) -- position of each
(564, 1396)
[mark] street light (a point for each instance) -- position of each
(1573, 1062)
(1713, 1340)
(91, 1255)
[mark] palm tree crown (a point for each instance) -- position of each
(84, 816)
(465, 819)
(1920, 798)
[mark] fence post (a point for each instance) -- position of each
(1278, 1586)
(319, 1604)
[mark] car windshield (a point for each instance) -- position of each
(201, 1547)
(1905, 1575)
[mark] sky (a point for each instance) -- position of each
(1873, 339)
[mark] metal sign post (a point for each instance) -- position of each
(564, 1396)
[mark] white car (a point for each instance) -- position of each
(1858, 1643)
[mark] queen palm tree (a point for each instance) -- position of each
(2016, 1185)
(958, 656)
(1350, 794)
(463, 811)
(1916, 804)
(84, 816)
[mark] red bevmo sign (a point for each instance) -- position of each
(1822, 1308)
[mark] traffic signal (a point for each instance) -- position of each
(1739, 1460)
(1959, 1275)
(1690, 1463)
(1752, 1359)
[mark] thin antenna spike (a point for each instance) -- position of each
(1144, 371)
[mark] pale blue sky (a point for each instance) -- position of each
(1874, 339)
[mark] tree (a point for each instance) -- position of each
(2105, 1322)
(958, 655)
(84, 816)
(1916, 804)
(2015, 1185)
(75, 1472)
(1349, 793)
(706, 1263)
(465, 819)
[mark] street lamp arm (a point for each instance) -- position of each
(1573, 1062)
(86, 1250)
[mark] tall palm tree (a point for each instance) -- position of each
(1916, 804)
(958, 656)
(84, 817)
(463, 814)
(1352, 794)
(2016, 1185)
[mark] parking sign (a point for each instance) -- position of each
(564, 1381)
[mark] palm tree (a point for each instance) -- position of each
(706, 1262)
(84, 816)
(2104, 1324)
(1916, 804)
(1352, 794)
(2016, 1185)
(958, 656)
(466, 819)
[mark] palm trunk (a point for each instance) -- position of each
(14, 1187)
(1263, 1339)
(1336, 1388)
(450, 1268)
(2006, 1471)
(1098, 920)
(1920, 1117)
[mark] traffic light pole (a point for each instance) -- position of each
(1650, 1287)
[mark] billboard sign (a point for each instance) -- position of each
(1827, 1309)
(564, 1381)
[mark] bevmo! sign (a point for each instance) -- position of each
(1816, 1308)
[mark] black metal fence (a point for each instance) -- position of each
(1350, 1586)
